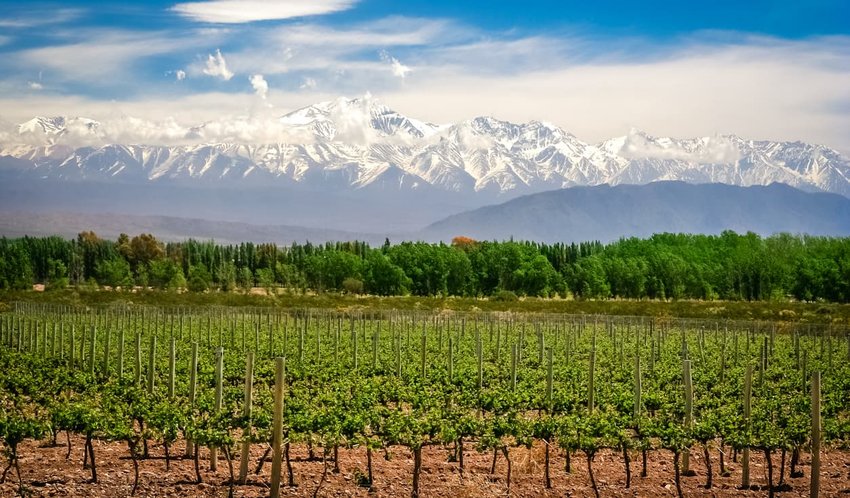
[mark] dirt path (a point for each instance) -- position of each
(46, 472)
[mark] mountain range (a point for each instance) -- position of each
(352, 144)
(356, 166)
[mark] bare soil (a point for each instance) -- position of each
(46, 472)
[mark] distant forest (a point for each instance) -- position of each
(665, 266)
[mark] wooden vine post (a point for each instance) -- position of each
(814, 486)
(514, 358)
(451, 359)
(637, 396)
(479, 351)
(121, 352)
(106, 349)
(590, 381)
(375, 350)
(423, 356)
(277, 426)
(62, 342)
(138, 358)
(398, 355)
(354, 348)
(549, 380)
(247, 413)
(689, 412)
(172, 366)
(193, 385)
(745, 458)
(219, 374)
(71, 356)
(91, 349)
(151, 364)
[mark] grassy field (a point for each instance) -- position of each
(738, 310)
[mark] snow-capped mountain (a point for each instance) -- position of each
(354, 144)
(51, 129)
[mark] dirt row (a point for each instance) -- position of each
(45, 471)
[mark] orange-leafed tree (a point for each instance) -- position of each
(462, 242)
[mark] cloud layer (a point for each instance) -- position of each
(438, 70)
(244, 11)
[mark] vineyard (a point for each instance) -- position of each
(246, 399)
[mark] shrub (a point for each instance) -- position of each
(352, 286)
(505, 296)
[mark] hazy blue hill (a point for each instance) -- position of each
(607, 213)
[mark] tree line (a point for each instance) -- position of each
(665, 266)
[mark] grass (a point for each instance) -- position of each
(735, 310)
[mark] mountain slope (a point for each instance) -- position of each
(607, 213)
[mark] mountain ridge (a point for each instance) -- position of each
(346, 144)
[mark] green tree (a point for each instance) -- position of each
(199, 278)
(166, 274)
(57, 274)
(114, 272)
(383, 278)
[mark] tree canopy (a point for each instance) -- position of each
(665, 266)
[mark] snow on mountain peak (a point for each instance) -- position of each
(359, 120)
(58, 125)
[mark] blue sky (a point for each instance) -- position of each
(757, 68)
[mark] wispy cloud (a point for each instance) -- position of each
(328, 51)
(23, 18)
(216, 66)
(96, 56)
(244, 11)
(390, 32)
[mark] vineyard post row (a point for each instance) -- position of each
(43, 329)
(47, 329)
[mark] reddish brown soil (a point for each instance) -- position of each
(46, 472)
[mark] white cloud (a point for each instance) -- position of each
(35, 85)
(706, 150)
(216, 66)
(308, 84)
(242, 11)
(260, 85)
(399, 70)
(180, 75)
(755, 88)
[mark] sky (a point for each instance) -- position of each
(760, 69)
